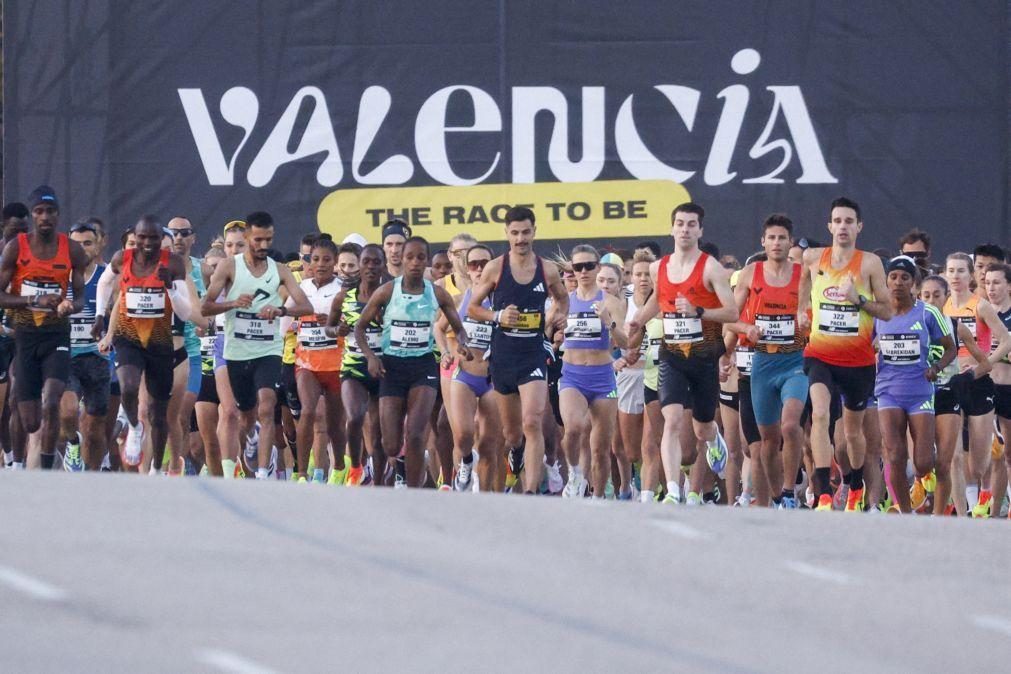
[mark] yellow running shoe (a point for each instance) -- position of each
(930, 482)
(982, 509)
(824, 502)
(339, 476)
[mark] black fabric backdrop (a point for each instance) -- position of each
(908, 102)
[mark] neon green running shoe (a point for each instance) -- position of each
(339, 476)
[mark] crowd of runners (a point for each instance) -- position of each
(815, 376)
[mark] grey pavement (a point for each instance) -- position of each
(110, 573)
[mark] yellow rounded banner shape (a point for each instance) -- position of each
(597, 210)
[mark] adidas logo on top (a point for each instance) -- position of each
(539, 288)
(537, 373)
(916, 326)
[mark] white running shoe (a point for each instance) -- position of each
(575, 487)
(555, 482)
(253, 444)
(464, 480)
(262, 474)
(133, 447)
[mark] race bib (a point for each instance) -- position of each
(839, 319)
(743, 358)
(312, 335)
(681, 329)
(583, 326)
(776, 329)
(145, 302)
(478, 334)
(32, 288)
(528, 324)
(969, 322)
(899, 349)
(410, 334)
(207, 346)
(373, 337)
(249, 326)
(654, 349)
(80, 330)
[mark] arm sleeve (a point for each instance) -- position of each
(180, 296)
(105, 288)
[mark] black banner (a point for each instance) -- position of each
(340, 114)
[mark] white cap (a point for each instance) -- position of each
(355, 237)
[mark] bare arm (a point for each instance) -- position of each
(380, 298)
(482, 289)
(611, 308)
(219, 280)
(559, 312)
(78, 263)
(652, 306)
(804, 293)
(300, 306)
(8, 263)
(718, 278)
(878, 305)
(997, 329)
(445, 301)
(741, 292)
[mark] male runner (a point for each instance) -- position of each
(519, 284)
(253, 343)
(841, 285)
(152, 288)
(983, 256)
(395, 234)
(89, 369)
(35, 272)
(694, 298)
(769, 290)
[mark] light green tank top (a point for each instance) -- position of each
(246, 335)
(652, 340)
(408, 321)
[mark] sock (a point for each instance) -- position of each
(822, 481)
(647, 496)
(846, 478)
(468, 458)
(972, 494)
(857, 479)
(799, 480)
(709, 497)
(786, 493)
(228, 468)
(9, 459)
(47, 460)
(777, 499)
(674, 489)
(576, 472)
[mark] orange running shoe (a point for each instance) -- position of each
(855, 501)
(824, 502)
(355, 476)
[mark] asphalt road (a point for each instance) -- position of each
(109, 573)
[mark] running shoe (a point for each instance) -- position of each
(982, 509)
(824, 502)
(515, 462)
(625, 495)
(262, 474)
(369, 474)
(132, 448)
(510, 479)
(464, 475)
(670, 499)
(855, 501)
(445, 487)
(930, 482)
(917, 494)
(252, 447)
(693, 499)
(399, 482)
(72, 462)
(318, 477)
(554, 473)
(355, 477)
(809, 497)
(841, 497)
(301, 480)
(716, 455)
(608, 489)
(339, 476)
(788, 503)
(575, 487)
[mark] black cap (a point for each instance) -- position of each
(43, 194)
(903, 263)
(396, 227)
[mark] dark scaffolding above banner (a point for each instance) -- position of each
(341, 115)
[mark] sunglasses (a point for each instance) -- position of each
(916, 254)
(234, 224)
(456, 252)
(180, 232)
(477, 264)
(306, 258)
(583, 266)
(84, 227)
